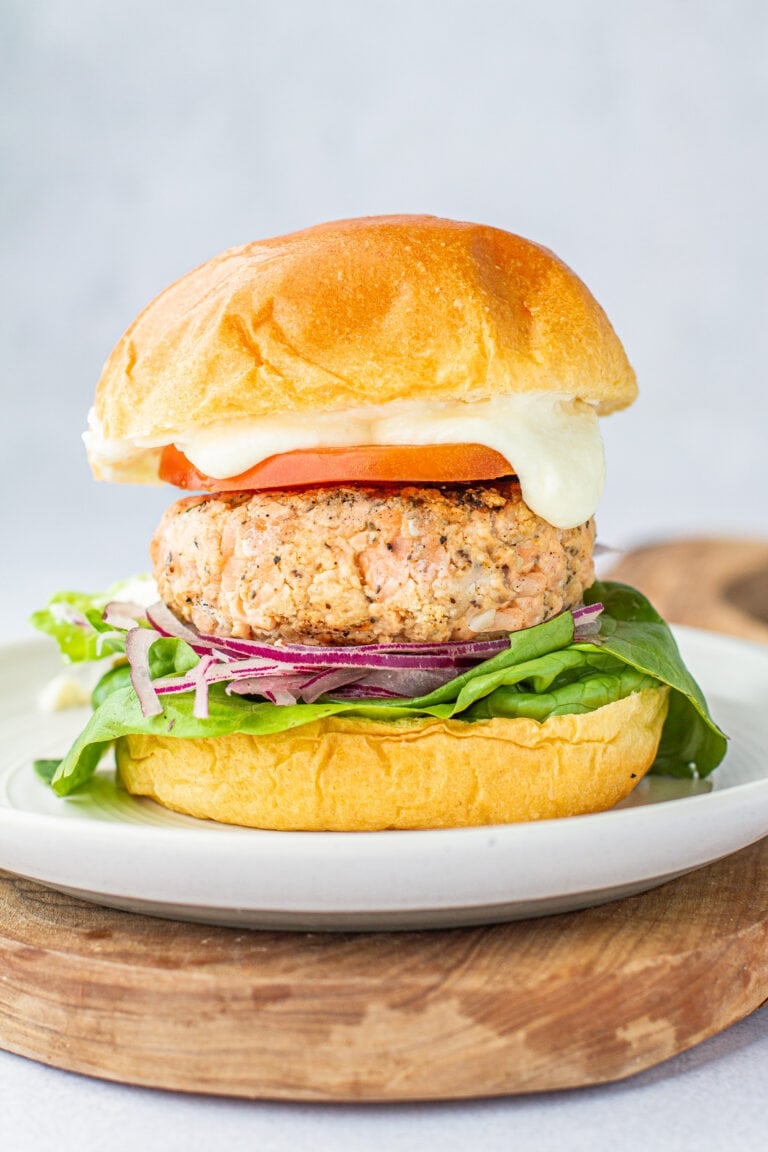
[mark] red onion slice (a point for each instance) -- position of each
(368, 656)
(178, 684)
(161, 618)
(281, 696)
(234, 669)
(287, 673)
(365, 692)
(307, 688)
(200, 706)
(587, 612)
(586, 631)
(413, 682)
(123, 614)
(363, 655)
(586, 621)
(326, 682)
(278, 689)
(216, 673)
(137, 645)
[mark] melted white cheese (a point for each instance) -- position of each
(553, 442)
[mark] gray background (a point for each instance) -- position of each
(139, 139)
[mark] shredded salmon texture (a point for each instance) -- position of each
(364, 565)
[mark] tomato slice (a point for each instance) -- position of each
(368, 464)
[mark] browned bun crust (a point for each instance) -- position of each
(350, 314)
(344, 774)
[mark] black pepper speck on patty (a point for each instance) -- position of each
(363, 565)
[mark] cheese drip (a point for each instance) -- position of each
(553, 442)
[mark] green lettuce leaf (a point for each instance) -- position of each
(631, 628)
(542, 673)
(74, 620)
(46, 769)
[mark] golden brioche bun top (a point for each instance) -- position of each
(355, 313)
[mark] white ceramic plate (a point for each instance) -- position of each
(108, 847)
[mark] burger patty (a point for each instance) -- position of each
(362, 565)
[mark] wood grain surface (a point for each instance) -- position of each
(717, 584)
(560, 1002)
(551, 1003)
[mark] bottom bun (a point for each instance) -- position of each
(347, 775)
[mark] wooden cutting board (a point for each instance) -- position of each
(560, 1002)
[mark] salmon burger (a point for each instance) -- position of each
(378, 607)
